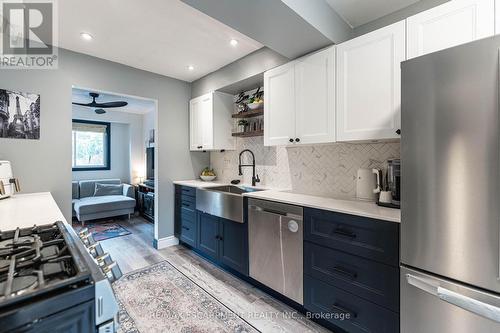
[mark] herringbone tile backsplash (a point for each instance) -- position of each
(326, 170)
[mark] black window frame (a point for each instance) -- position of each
(107, 143)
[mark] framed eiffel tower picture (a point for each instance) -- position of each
(19, 115)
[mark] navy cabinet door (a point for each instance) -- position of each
(208, 235)
(233, 245)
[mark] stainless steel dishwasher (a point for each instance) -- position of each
(276, 246)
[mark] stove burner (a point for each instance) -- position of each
(21, 284)
(32, 258)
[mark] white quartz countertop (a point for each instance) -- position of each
(26, 210)
(353, 207)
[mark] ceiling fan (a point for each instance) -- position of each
(94, 104)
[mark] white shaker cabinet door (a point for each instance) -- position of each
(279, 105)
(369, 85)
(315, 97)
(450, 24)
(201, 122)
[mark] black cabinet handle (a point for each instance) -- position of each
(297, 140)
(199, 147)
(185, 228)
(186, 205)
(291, 140)
(344, 233)
(216, 236)
(398, 132)
(342, 271)
(340, 308)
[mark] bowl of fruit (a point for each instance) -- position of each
(208, 175)
(255, 103)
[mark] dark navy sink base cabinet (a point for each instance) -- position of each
(351, 271)
(224, 242)
(351, 263)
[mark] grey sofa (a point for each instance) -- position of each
(88, 207)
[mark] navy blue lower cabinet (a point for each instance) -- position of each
(371, 280)
(345, 310)
(185, 215)
(223, 241)
(233, 245)
(208, 235)
(372, 239)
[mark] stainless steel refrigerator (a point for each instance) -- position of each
(450, 228)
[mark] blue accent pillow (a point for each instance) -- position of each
(107, 189)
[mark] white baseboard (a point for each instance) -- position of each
(165, 242)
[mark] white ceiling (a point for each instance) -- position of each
(135, 105)
(160, 36)
(359, 12)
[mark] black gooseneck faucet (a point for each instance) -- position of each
(255, 178)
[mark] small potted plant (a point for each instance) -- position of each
(242, 125)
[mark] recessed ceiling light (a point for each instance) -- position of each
(233, 42)
(191, 67)
(86, 36)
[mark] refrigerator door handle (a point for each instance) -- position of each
(470, 304)
(467, 303)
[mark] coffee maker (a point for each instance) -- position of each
(392, 184)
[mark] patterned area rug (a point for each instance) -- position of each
(159, 298)
(106, 230)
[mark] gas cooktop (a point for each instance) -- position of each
(37, 260)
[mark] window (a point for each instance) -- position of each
(91, 145)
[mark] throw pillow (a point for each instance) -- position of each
(108, 189)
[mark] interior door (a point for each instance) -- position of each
(279, 105)
(315, 97)
(369, 85)
(452, 23)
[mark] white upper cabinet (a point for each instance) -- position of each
(450, 24)
(369, 85)
(210, 122)
(299, 105)
(315, 97)
(279, 105)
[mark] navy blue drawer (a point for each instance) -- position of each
(368, 279)
(186, 190)
(188, 232)
(368, 238)
(188, 203)
(347, 311)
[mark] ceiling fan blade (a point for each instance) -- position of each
(111, 104)
(85, 104)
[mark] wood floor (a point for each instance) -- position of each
(260, 310)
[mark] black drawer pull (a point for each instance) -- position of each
(342, 271)
(186, 204)
(344, 233)
(342, 309)
(185, 228)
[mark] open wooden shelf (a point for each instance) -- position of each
(248, 134)
(249, 114)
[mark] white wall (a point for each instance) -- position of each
(128, 145)
(45, 164)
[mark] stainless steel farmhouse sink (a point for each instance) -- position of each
(223, 201)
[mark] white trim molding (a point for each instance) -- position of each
(165, 242)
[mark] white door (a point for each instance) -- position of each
(450, 24)
(369, 85)
(194, 130)
(206, 123)
(201, 122)
(279, 105)
(315, 97)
